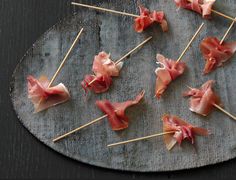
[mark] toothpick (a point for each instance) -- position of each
(224, 111)
(127, 54)
(190, 42)
(65, 58)
(220, 108)
(79, 128)
(134, 49)
(104, 9)
(141, 138)
(223, 15)
(227, 32)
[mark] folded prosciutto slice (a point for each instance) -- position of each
(104, 69)
(169, 71)
(116, 111)
(44, 97)
(181, 130)
(215, 54)
(202, 7)
(202, 100)
(147, 18)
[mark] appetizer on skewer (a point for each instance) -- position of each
(115, 112)
(170, 69)
(40, 92)
(147, 18)
(168, 72)
(142, 21)
(203, 100)
(104, 69)
(43, 96)
(203, 7)
(175, 130)
(182, 129)
(216, 52)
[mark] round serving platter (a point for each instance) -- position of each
(115, 34)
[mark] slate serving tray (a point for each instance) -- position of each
(115, 34)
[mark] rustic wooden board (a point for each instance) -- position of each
(115, 34)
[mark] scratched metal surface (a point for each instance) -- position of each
(115, 34)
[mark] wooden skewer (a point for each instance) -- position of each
(127, 54)
(223, 15)
(65, 58)
(79, 128)
(190, 42)
(104, 9)
(227, 32)
(86, 125)
(220, 108)
(141, 138)
(224, 111)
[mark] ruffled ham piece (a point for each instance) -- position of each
(215, 54)
(202, 100)
(104, 69)
(202, 7)
(44, 97)
(168, 72)
(181, 131)
(147, 18)
(116, 111)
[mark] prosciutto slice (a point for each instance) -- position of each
(104, 69)
(116, 111)
(43, 97)
(147, 18)
(202, 100)
(181, 131)
(202, 7)
(169, 71)
(215, 54)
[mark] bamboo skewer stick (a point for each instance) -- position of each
(79, 128)
(134, 49)
(227, 32)
(127, 54)
(224, 111)
(219, 108)
(190, 42)
(105, 9)
(65, 58)
(223, 15)
(141, 138)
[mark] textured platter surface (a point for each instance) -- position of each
(115, 34)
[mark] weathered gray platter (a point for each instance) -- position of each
(115, 34)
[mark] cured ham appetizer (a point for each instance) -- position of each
(182, 130)
(44, 97)
(168, 72)
(147, 18)
(104, 69)
(175, 130)
(203, 100)
(116, 111)
(203, 7)
(215, 53)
